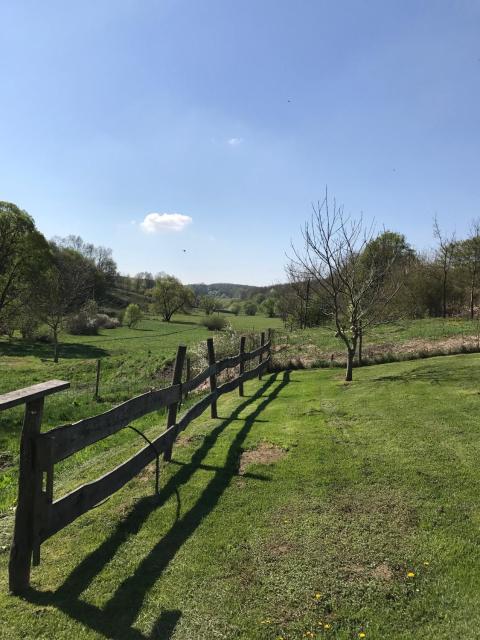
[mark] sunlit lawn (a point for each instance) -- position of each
(367, 522)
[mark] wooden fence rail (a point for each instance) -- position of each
(38, 516)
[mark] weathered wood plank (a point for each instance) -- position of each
(67, 509)
(28, 394)
(228, 363)
(81, 500)
(173, 408)
(71, 438)
(213, 377)
(29, 488)
(242, 365)
(249, 355)
(198, 379)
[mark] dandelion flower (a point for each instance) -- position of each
(327, 626)
(362, 634)
(410, 574)
(318, 596)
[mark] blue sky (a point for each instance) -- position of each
(236, 114)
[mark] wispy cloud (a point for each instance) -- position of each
(157, 222)
(234, 142)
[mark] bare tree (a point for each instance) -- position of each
(446, 251)
(357, 290)
(300, 285)
(468, 257)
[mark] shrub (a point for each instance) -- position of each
(214, 323)
(44, 337)
(133, 315)
(80, 324)
(106, 322)
(250, 308)
(235, 308)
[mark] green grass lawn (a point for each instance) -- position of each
(370, 482)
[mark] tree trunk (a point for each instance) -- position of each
(55, 346)
(360, 347)
(472, 297)
(444, 296)
(349, 372)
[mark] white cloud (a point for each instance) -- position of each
(234, 142)
(156, 222)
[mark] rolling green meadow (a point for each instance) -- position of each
(303, 511)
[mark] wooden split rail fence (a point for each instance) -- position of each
(37, 515)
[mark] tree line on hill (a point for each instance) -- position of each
(343, 272)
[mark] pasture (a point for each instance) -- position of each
(310, 508)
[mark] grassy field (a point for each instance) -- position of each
(310, 509)
(313, 347)
(133, 361)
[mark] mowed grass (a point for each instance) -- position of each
(367, 522)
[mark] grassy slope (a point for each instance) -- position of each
(379, 478)
(133, 361)
(319, 343)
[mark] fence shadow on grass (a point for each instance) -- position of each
(67, 350)
(117, 617)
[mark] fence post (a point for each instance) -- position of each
(213, 378)
(242, 364)
(270, 344)
(188, 373)
(22, 546)
(29, 479)
(172, 409)
(97, 381)
(260, 359)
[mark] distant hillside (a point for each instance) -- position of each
(227, 290)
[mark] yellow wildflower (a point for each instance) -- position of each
(318, 596)
(410, 574)
(362, 634)
(327, 626)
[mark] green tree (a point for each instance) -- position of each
(133, 315)
(169, 295)
(23, 253)
(235, 308)
(210, 304)
(60, 289)
(250, 308)
(269, 307)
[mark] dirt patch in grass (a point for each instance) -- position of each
(184, 440)
(382, 572)
(6, 460)
(265, 453)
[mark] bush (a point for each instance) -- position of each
(133, 315)
(214, 323)
(106, 322)
(44, 337)
(81, 324)
(250, 308)
(235, 308)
